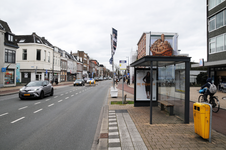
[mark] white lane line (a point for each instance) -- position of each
(51, 105)
(37, 111)
(22, 107)
(66, 97)
(72, 95)
(37, 103)
(60, 101)
(18, 120)
(4, 114)
(47, 99)
(55, 96)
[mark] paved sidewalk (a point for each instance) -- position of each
(166, 132)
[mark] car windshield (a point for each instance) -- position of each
(36, 83)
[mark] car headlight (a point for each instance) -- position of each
(36, 89)
(21, 89)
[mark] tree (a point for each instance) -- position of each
(201, 78)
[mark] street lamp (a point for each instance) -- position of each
(53, 66)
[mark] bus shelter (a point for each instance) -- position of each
(163, 78)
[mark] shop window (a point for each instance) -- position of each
(9, 77)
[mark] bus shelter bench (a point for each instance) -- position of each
(168, 105)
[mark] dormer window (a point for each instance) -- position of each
(10, 38)
(22, 40)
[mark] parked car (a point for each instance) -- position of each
(96, 78)
(85, 79)
(79, 82)
(90, 80)
(36, 89)
(101, 78)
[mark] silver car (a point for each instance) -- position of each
(36, 89)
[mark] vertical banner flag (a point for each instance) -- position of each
(114, 39)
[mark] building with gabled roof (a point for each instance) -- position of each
(8, 48)
(37, 58)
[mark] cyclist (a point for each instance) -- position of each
(207, 92)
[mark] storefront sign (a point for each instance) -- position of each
(3, 69)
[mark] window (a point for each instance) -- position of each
(44, 55)
(219, 20)
(38, 54)
(212, 23)
(212, 45)
(225, 17)
(22, 40)
(48, 56)
(214, 3)
(220, 43)
(10, 38)
(10, 56)
(24, 57)
(224, 41)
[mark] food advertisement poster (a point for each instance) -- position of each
(143, 85)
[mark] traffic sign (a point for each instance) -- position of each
(122, 64)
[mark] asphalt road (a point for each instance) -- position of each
(67, 120)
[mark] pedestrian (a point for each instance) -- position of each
(56, 81)
(128, 80)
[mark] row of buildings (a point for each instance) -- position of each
(24, 58)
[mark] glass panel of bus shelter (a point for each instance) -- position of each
(171, 81)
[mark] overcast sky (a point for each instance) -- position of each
(86, 25)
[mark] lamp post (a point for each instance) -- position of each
(53, 66)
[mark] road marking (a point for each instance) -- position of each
(18, 120)
(37, 103)
(76, 93)
(55, 96)
(22, 107)
(60, 100)
(51, 105)
(72, 95)
(37, 111)
(47, 99)
(4, 114)
(61, 94)
(66, 97)
(66, 93)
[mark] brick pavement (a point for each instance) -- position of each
(166, 132)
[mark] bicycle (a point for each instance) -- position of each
(212, 100)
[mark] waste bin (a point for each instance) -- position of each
(202, 113)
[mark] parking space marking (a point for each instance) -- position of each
(37, 111)
(55, 96)
(66, 97)
(61, 94)
(37, 103)
(47, 99)
(22, 107)
(51, 105)
(4, 114)
(18, 120)
(60, 101)
(72, 95)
